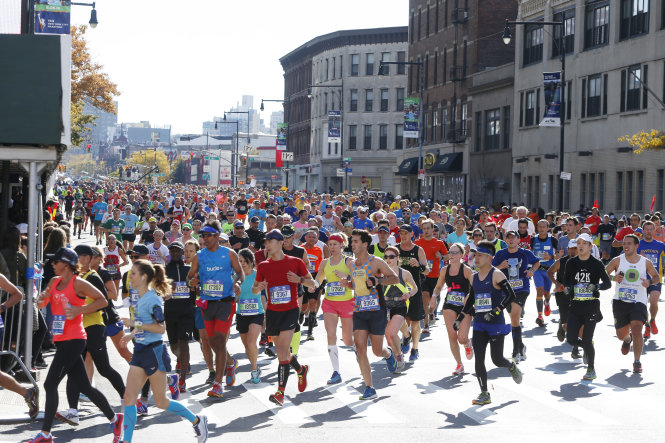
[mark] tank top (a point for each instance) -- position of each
(630, 290)
(393, 293)
(329, 223)
(367, 299)
(487, 297)
(335, 291)
(314, 257)
(178, 213)
(524, 242)
(62, 328)
(248, 303)
(542, 247)
(404, 258)
(93, 318)
(111, 260)
(378, 252)
(215, 273)
(458, 286)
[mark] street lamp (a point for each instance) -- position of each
(562, 109)
(287, 102)
(249, 140)
(234, 156)
(93, 14)
(420, 112)
(342, 185)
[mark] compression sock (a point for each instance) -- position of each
(333, 353)
(295, 343)
(539, 304)
(181, 410)
(282, 375)
(129, 422)
(294, 364)
(310, 324)
(517, 338)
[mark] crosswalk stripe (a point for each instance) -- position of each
(368, 409)
(289, 413)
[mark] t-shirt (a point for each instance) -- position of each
(144, 313)
(282, 294)
(518, 262)
(115, 227)
(606, 232)
(431, 247)
(154, 256)
(654, 252)
(260, 213)
(130, 222)
(625, 231)
(99, 209)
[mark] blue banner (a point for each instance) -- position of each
(282, 129)
(52, 16)
(334, 126)
(411, 117)
(552, 89)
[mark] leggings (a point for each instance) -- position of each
(96, 347)
(68, 361)
(576, 320)
(480, 340)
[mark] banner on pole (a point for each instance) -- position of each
(52, 17)
(334, 126)
(282, 129)
(552, 89)
(411, 117)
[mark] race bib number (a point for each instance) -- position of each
(180, 290)
(653, 258)
(606, 236)
(58, 325)
(248, 306)
(367, 302)
(128, 230)
(280, 295)
(115, 230)
(133, 297)
(139, 334)
(335, 289)
(582, 292)
(483, 302)
(455, 298)
(627, 295)
(213, 288)
(516, 284)
(111, 269)
(359, 282)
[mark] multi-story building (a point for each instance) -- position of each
(615, 66)
(453, 39)
(275, 119)
(104, 127)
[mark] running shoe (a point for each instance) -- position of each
(116, 427)
(468, 350)
(231, 373)
(406, 344)
(41, 438)
(515, 373)
(305, 323)
(70, 416)
(201, 429)
(335, 378)
(32, 400)
(548, 310)
(459, 370)
(540, 321)
(255, 376)
(369, 394)
(654, 328)
(647, 331)
(426, 329)
(141, 408)
(414, 355)
(516, 355)
(302, 378)
(211, 377)
(182, 386)
(174, 386)
(391, 362)
(561, 333)
(482, 399)
(264, 340)
(625, 346)
(576, 353)
(277, 398)
(637, 367)
(433, 319)
(590, 374)
(401, 364)
(216, 391)
(523, 353)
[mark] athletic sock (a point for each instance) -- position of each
(517, 337)
(129, 422)
(333, 353)
(282, 375)
(539, 305)
(310, 324)
(294, 364)
(181, 410)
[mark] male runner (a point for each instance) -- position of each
(544, 246)
(435, 252)
(653, 250)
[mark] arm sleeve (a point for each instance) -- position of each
(509, 293)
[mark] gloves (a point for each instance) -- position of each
(457, 322)
(492, 315)
(566, 290)
(592, 287)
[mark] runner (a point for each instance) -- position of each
(79, 215)
(490, 236)
(130, 220)
(159, 253)
(544, 246)
(97, 211)
(435, 252)
(311, 297)
(653, 250)
(556, 273)
(606, 232)
(114, 259)
(249, 319)
(279, 276)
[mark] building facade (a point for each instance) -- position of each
(451, 40)
(615, 85)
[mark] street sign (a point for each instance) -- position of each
(340, 172)
(566, 175)
(273, 177)
(285, 169)
(421, 174)
(287, 156)
(347, 159)
(349, 170)
(210, 158)
(158, 174)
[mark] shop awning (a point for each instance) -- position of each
(448, 163)
(408, 166)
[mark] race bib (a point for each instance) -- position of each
(483, 302)
(212, 288)
(133, 297)
(128, 230)
(248, 306)
(582, 292)
(367, 302)
(455, 298)
(280, 295)
(115, 230)
(111, 269)
(58, 325)
(430, 264)
(606, 236)
(359, 282)
(516, 284)
(180, 290)
(627, 295)
(653, 258)
(335, 289)
(139, 334)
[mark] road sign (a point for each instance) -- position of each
(210, 158)
(566, 175)
(421, 174)
(273, 177)
(340, 172)
(287, 156)
(349, 170)
(347, 159)
(158, 174)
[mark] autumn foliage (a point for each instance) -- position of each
(653, 140)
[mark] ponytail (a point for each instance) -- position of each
(160, 282)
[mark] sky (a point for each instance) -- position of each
(180, 63)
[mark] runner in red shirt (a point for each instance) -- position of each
(593, 221)
(435, 251)
(634, 228)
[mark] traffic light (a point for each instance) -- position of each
(128, 171)
(244, 161)
(89, 147)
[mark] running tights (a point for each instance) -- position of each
(575, 322)
(480, 340)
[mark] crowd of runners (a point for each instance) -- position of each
(270, 262)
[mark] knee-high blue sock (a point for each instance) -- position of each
(181, 410)
(129, 422)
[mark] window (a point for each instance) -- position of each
(427, 21)
(436, 68)
(399, 93)
(423, 130)
(369, 64)
(367, 140)
(530, 108)
(353, 106)
(569, 98)
(420, 22)
(537, 107)
(604, 94)
(550, 194)
(639, 198)
(385, 57)
(592, 188)
(521, 109)
(399, 136)
(629, 190)
(529, 191)
(583, 189)
(383, 137)
(619, 192)
(568, 19)
(444, 118)
(435, 125)
(630, 88)
(660, 189)
(479, 130)
(634, 18)
(384, 99)
(426, 72)
(533, 44)
(601, 190)
(536, 191)
(401, 57)
(353, 137)
(329, 148)
(492, 129)
(566, 194)
(327, 68)
(464, 119)
(411, 28)
(436, 17)
(444, 55)
(334, 68)
(506, 128)
(593, 93)
(325, 103)
(445, 14)
(369, 100)
(597, 24)
(355, 62)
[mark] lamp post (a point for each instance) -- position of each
(420, 112)
(562, 109)
(93, 14)
(249, 140)
(235, 154)
(28, 13)
(342, 185)
(287, 102)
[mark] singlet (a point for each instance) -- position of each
(314, 257)
(542, 247)
(335, 291)
(487, 297)
(524, 242)
(458, 287)
(367, 299)
(111, 260)
(248, 303)
(393, 293)
(215, 273)
(93, 318)
(630, 290)
(178, 212)
(404, 257)
(62, 328)
(329, 223)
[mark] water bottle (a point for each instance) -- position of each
(66, 305)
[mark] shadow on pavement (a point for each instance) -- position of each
(243, 423)
(560, 367)
(561, 349)
(627, 379)
(574, 391)
(474, 416)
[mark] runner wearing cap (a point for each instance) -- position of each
(654, 251)
(258, 213)
(255, 233)
(311, 296)
(148, 231)
(130, 220)
(239, 239)
(290, 249)
(544, 246)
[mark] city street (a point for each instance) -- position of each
(425, 401)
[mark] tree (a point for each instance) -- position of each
(150, 157)
(179, 172)
(83, 164)
(89, 83)
(653, 140)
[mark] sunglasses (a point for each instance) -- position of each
(391, 256)
(454, 253)
(186, 229)
(477, 235)
(239, 227)
(206, 235)
(135, 256)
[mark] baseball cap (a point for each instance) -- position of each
(176, 244)
(586, 237)
(209, 229)
(186, 226)
(224, 237)
(511, 232)
(406, 227)
(572, 243)
(275, 235)
(238, 223)
(86, 250)
(287, 231)
(383, 229)
(254, 219)
(152, 220)
(139, 250)
(66, 255)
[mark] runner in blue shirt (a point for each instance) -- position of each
(98, 211)
(256, 211)
(654, 251)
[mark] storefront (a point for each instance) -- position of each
(444, 180)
